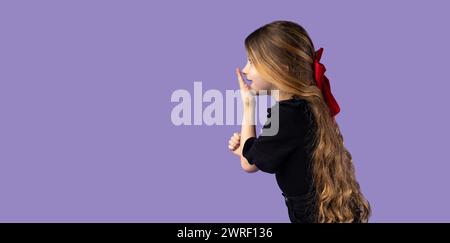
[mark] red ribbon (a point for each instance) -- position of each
(324, 84)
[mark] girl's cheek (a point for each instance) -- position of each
(259, 85)
(254, 83)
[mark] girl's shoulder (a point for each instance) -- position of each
(294, 112)
(296, 107)
(293, 102)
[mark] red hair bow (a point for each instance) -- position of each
(324, 84)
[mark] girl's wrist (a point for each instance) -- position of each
(249, 105)
(249, 114)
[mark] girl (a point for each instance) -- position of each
(313, 168)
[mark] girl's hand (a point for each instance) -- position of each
(235, 143)
(247, 95)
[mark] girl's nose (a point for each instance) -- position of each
(244, 70)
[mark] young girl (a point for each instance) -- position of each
(313, 168)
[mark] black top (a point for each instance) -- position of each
(286, 154)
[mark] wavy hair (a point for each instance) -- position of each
(283, 53)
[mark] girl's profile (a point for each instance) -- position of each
(313, 168)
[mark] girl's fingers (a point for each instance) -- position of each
(242, 84)
(235, 138)
(231, 147)
(234, 141)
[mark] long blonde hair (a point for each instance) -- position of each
(283, 53)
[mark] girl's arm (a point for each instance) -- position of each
(248, 123)
(247, 131)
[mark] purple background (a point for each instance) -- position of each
(85, 129)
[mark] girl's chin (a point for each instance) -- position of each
(258, 92)
(254, 91)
